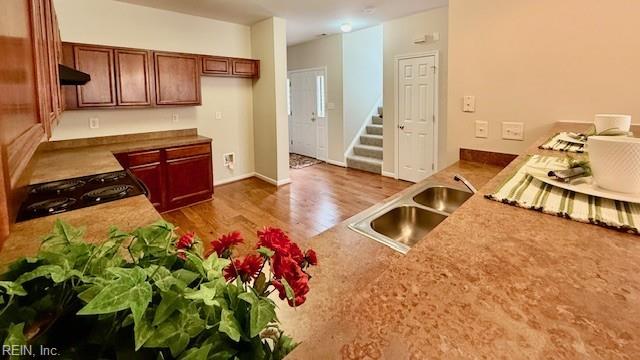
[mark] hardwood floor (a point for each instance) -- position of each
(318, 198)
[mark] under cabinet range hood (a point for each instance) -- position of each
(69, 76)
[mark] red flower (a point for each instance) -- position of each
(247, 269)
(224, 243)
(185, 242)
(311, 257)
(300, 289)
(274, 239)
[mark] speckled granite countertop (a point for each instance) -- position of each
(73, 158)
(492, 281)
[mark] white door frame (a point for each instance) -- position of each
(396, 101)
(319, 155)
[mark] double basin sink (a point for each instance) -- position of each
(402, 222)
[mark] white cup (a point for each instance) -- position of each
(612, 121)
(615, 163)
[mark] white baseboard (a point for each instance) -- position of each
(272, 181)
(389, 174)
(336, 163)
(234, 179)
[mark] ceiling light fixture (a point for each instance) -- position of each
(369, 10)
(346, 27)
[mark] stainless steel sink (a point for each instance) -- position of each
(403, 221)
(406, 224)
(442, 198)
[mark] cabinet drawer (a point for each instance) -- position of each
(215, 66)
(188, 151)
(142, 158)
(245, 68)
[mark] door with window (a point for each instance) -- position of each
(307, 118)
(416, 117)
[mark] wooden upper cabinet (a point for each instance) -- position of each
(177, 79)
(133, 80)
(245, 67)
(98, 62)
(214, 65)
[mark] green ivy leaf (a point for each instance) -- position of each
(196, 353)
(176, 332)
(291, 295)
(15, 337)
(128, 290)
(168, 304)
(62, 235)
(206, 293)
(262, 313)
(142, 331)
(266, 252)
(230, 325)
(57, 273)
(248, 297)
(12, 288)
(260, 284)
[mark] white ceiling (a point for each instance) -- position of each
(306, 19)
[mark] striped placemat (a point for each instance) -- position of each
(554, 143)
(525, 191)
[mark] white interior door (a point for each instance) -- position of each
(303, 118)
(416, 118)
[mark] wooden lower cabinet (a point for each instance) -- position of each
(151, 176)
(189, 180)
(174, 177)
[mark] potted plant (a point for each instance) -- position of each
(150, 294)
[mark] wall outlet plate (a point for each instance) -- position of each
(94, 123)
(218, 115)
(469, 104)
(482, 129)
(229, 159)
(175, 118)
(513, 131)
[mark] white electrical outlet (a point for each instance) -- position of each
(513, 131)
(469, 104)
(94, 123)
(482, 129)
(229, 160)
(218, 115)
(175, 118)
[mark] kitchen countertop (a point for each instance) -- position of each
(492, 281)
(74, 158)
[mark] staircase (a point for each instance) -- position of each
(367, 153)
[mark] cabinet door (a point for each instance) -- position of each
(53, 55)
(177, 79)
(212, 65)
(151, 176)
(245, 68)
(132, 77)
(96, 61)
(189, 180)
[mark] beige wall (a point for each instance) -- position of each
(271, 142)
(398, 40)
(110, 22)
(323, 52)
(537, 62)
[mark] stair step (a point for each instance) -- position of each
(374, 129)
(380, 111)
(365, 164)
(374, 140)
(376, 120)
(368, 151)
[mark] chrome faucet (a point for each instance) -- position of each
(466, 182)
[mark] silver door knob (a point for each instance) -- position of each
(401, 127)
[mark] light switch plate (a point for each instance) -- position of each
(482, 129)
(469, 104)
(94, 123)
(218, 115)
(513, 131)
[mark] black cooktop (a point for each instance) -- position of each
(65, 195)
